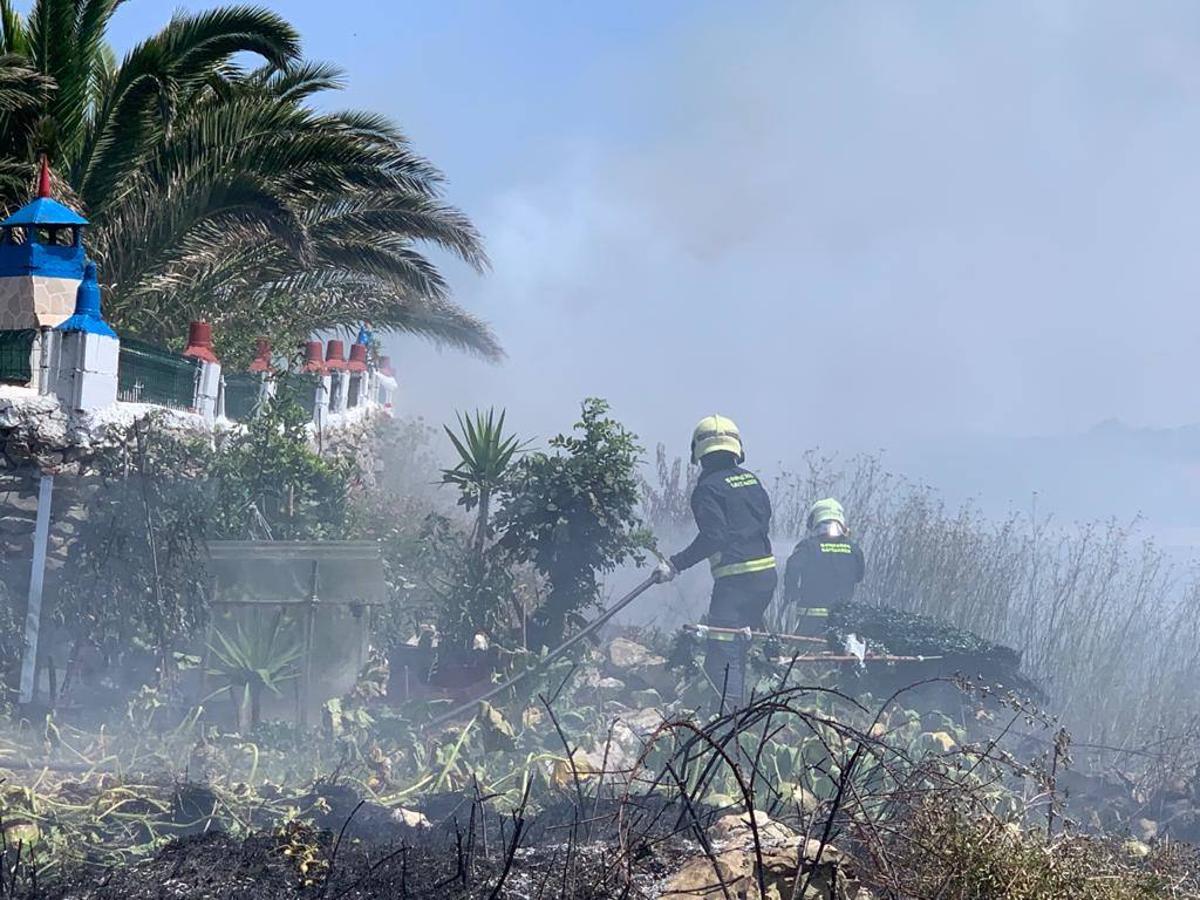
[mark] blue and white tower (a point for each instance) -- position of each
(89, 352)
(41, 262)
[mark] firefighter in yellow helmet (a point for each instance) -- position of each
(824, 569)
(733, 515)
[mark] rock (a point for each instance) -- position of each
(644, 722)
(410, 817)
(734, 829)
(16, 524)
(639, 668)
(21, 832)
(21, 502)
(624, 750)
(718, 800)
(625, 654)
(697, 877)
(648, 697)
(610, 684)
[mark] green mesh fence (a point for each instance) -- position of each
(15, 348)
(149, 374)
(241, 395)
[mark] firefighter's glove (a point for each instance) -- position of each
(664, 572)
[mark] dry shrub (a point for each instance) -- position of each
(941, 852)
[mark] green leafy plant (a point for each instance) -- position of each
(486, 456)
(253, 661)
(472, 592)
(269, 482)
(572, 513)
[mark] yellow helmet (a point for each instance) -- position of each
(716, 433)
(827, 510)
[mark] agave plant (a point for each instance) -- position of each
(221, 193)
(485, 454)
(253, 661)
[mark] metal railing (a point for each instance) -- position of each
(149, 374)
(242, 392)
(15, 350)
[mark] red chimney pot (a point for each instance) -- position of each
(358, 358)
(199, 345)
(313, 357)
(335, 358)
(44, 178)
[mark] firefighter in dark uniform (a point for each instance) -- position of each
(733, 515)
(824, 569)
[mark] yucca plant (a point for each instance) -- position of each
(252, 661)
(485, 455)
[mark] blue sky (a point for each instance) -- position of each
(858, 225)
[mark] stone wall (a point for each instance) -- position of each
(36, 301)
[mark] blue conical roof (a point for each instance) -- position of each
(87, 317)
(44, 211)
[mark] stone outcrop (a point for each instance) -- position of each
(734, 861)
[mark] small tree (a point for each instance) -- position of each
(572, 513)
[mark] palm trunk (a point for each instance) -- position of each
(235, 698)
(481, 522)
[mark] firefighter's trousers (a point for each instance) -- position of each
(738, 601)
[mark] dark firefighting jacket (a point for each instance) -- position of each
(823, 571)
(733, 514)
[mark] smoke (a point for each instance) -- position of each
(851, 225)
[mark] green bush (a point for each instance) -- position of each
(572, 514)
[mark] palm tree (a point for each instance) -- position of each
(218, 192)
(23, 90)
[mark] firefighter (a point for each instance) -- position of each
(824, 569)
(733, 515)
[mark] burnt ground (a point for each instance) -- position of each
(464, 854)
